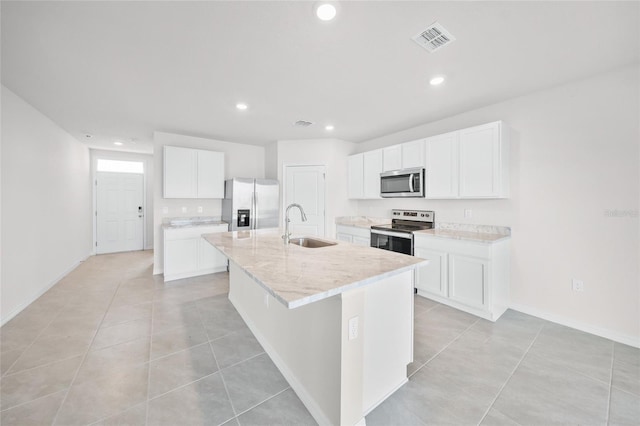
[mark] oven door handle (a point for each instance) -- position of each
(393, 234)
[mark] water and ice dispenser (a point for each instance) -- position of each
(244, 218)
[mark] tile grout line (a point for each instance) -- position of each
(613, 356)
(510, 376)
(34, 341)
(215, 358)
(146, 413)
(84, 357)
(263, 401)
(445, 347)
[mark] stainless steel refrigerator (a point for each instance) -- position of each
(251, 203)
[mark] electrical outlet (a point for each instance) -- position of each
(577, 285)
(184, 209)
(353, 328)
(468, 213)
(165, 210)
(199, 209)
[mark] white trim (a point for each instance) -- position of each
(97, 154)
(40, 292)
(316, 412)
(190, 274)
(587, 328)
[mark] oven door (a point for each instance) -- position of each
(399, 242)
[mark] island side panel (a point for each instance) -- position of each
(304, 343)
(388, 337)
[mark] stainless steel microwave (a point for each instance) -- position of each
(402, 183)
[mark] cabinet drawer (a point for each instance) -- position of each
(354, 231)
(193, 232)
(467, 248)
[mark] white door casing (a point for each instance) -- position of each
(120, 212)
(305, 185)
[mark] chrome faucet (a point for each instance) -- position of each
(287, 234)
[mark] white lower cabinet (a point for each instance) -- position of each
(187, 254)
(432, 277)
(354, 235)
(467, 275)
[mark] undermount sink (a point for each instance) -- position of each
(311, 242)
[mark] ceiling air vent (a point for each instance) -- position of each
(302, 123)
(434, 38)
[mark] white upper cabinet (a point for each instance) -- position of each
(210, 174)
(392, 158)
(403, 156)
(355, 176)
(193, 173)
(364, 175)
(467, 163)
(412, 154)
(372, 170)
(441, 164)
(180, 172)
(483, 162)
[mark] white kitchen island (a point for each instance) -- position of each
(337, 321)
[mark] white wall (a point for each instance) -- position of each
(246, 161)
(46, 204)
(147, 159)
(271, 161)
(574, 157)
(331, 153)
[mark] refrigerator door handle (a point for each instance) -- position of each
(255, 210)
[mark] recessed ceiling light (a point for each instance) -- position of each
(326, 12)
(118, 143)
(435, 81)
(241, 106)
(329, 127)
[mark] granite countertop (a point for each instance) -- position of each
(456, 234)
(361, 221)
(297, 275)
(191, 222)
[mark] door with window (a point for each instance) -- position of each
(304, 185)
(119, 206)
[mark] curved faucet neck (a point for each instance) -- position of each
(303, 216)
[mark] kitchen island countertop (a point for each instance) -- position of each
(297, 275)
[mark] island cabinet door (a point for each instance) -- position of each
(468, 279)
(432, 278)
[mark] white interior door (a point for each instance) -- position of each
(120, 214)
(304, 185)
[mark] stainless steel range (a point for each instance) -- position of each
(398, 236)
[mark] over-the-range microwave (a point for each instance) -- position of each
(402, 183)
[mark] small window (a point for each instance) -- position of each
(120, 166)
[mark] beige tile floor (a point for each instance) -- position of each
(112, 344)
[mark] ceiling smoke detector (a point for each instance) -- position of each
(302, 123)
(435, 37)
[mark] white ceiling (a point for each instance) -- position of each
(121, 70)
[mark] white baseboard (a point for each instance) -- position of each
(587, 328)
(5, 319)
